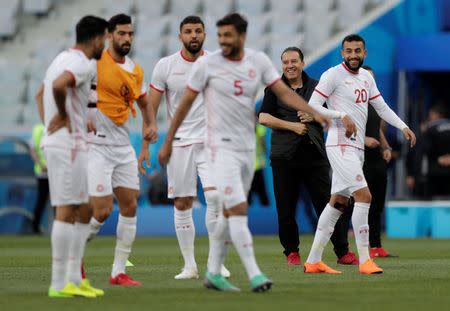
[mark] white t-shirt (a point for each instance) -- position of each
(170, 75)
(83, 70)
(109, 133)
(350, 92)
(229, 89)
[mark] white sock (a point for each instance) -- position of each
(126, 233)
(242, 240)
(184, 227)
(220, 242)
(212, 213)
(79, 237)
(61, 238)
(94, 228)
(360, 221)
(324, 231)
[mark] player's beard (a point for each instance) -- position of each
(234, 51)
(360, 63)
(123, 49)
(191, 49)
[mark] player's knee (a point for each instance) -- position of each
(183, 204)
(212, 197)
(129, 208)
(341, 206)
(102, 214)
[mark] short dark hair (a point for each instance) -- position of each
(353, 37)
(367, 67)
(90, 27)
(191, 19)
(235, 19)
(119, 19)
(440, 109)
(293, 49)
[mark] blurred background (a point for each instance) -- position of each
(408, 43)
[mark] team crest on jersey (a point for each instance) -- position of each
(252, 73)
(366, 84)
(359, 177)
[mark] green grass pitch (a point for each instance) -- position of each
(418, 280)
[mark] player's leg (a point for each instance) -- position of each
(212, 198)
(182, 183)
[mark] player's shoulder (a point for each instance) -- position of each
(166, 60)
(332, 72)
(366, 74)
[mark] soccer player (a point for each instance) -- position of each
(112, 163)
(348, 89)
(229, 79)
(189, 155)
(64, 96)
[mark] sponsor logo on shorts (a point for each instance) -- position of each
(170, 190)
(100, 188)
(359, 177)
(228, 190)
(82, 195)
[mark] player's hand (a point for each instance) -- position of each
(164, 154)
(350, 126)
(91, 126)
(150, 134)
(387, 155)
(305, 117)
(409, 135)
(58, 122)
(444, 160)
(410, 181)
(323, 120)
(144, 157)
(300, 128)
(371, 142)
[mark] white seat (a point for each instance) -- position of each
(317, 7)
(279, 44)
(36, 6)
(287, 24)
(216, 8)
(150, 29)
(153, 8)
(287, 7)
(349, 12)
(114, 7)
(251, 7)
(183, 8)
(318, 32)
(258, 26)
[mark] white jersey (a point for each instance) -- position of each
(170, 76)
(229, 88)
(349, 92)
(83, 70)
(109, 133)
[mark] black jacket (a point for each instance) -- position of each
(285, 145)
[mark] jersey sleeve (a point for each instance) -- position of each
(143, 90)
(159, 76)
(80, 71)
(270, 75)
(198, 77)
(373, 90)
(325, 88)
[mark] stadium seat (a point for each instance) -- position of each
(214, 8)
(317, 8)
(153, 9)
(113, 7)
(258, 26)
(286, 24)
(349, 12)
(317, 32)
(38, 7)
(8, 18)
(277, 46)
(252, 7)
(183, 8)
(287, 7)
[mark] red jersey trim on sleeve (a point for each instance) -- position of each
(195, 91)
(143, 95)
(273, 83)
(73, 76)
(372, 98)
(316, 90)
(153, 87)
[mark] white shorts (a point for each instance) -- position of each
(232, 173)
(110, 167)
(67, 175)
(186, 163)
(347, 163)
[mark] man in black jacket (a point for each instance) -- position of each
(298, 154)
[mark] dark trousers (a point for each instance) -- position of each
(42, 197)
(258, 188)
(375, 173)
(286, 183)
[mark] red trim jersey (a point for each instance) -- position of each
(229, 89)
(170, 76)
(349, 93)
(75, 62)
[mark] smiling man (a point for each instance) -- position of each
(298, 157)
(229, 80)
(348, 89)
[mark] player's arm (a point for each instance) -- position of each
(390, 117)
(155, 99)
(274, 123)
(59, 87)
(293, 100)
(149, 131)
(40, 102)
(182, 110)
(387, 150)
